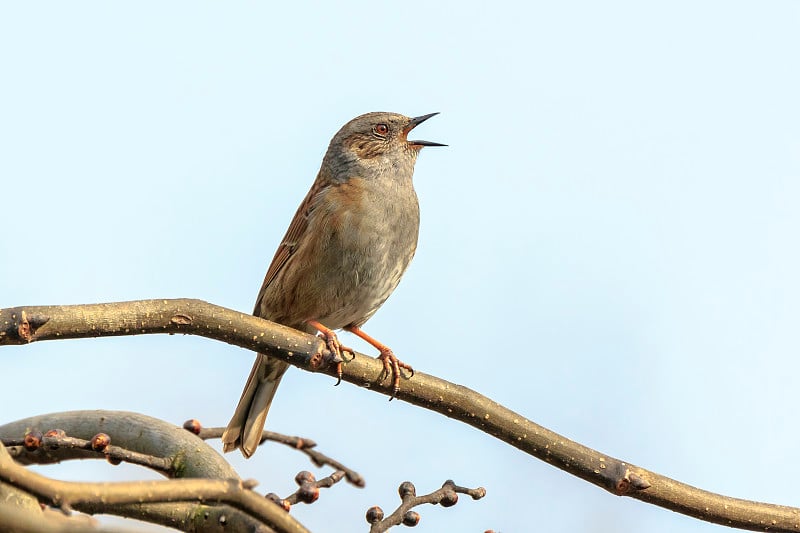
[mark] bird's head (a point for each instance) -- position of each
(378, 140)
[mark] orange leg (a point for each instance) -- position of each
(333, 344)
(391, 364)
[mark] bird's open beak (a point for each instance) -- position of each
(416, 121)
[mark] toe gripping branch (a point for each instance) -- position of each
(335, 347)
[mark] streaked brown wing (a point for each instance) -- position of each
(293, 237)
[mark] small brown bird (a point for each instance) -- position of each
(349, 243)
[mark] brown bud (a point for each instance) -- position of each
(100, 442)
(406, 488)
(55, 433)
(283, 504)
(308, 493)
(113, 460)
(411, 519)
(449, 498)
(304, 476)
(374, 514)
(193, 425)
(32, 440)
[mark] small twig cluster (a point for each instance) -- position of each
(308, 491)
(35, 441)
(446, 496)
(302, 444)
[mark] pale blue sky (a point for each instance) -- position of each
(609, 245)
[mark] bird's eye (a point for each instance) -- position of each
(381, 129)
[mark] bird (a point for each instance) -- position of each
(343, 255)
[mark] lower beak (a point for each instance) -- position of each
(426, 143)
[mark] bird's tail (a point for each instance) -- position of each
(245, 428)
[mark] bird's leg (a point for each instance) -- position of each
(391, 364)
(333, 344)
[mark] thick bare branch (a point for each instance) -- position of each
(19, 506)
(186, 454)
(48, 521)
(182, 516)
(28, 324)
(66, 494)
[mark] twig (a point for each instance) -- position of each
(299, 443)
(34, 441)
(308, 491)
(446, 496)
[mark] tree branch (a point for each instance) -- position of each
(188, 455)
(67, 494)
(48, 521)
(22, 325)
(185, 453)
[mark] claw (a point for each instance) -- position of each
(343, 350)
(338, 374)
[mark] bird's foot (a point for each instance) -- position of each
(336, 348)
(392, 366)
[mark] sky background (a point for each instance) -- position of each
(609, 245)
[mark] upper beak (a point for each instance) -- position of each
(416, 121)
